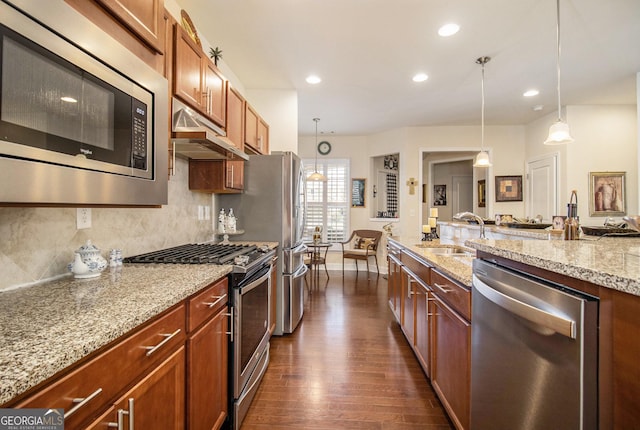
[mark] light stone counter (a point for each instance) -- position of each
(456, 267)
(608, 262)
(49, 326)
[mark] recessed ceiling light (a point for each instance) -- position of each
(531, 93)
(537, 108)
(68, 99)
(313, 79)
(420, 77)
(448, 30)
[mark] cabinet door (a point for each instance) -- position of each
(187, 82)
(235, 117)
(263, 136)
(394, 287)
(251, 127)
(407, 303)
(451, 362)
(207, 375)
(423, 327)
(156, 402)
(144, 18)
(234, 174)
(214, 93)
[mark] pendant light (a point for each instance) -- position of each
(316, 176)
(559, 132)
(482, 159)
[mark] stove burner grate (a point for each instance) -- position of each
(201, 253)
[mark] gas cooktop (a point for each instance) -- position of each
(197, 253)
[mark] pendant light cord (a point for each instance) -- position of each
(482, 61)
(316, 149)
(558, 55)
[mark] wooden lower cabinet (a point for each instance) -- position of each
(451, 362)
(156, 402)
(407, 312)
(207, 374)
(422, 337)
(394, 286)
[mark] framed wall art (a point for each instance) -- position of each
(358, 189)
(509, 188)
(482, 193)
(439, 195)
(607, 194)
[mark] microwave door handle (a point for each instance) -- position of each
(524, 310)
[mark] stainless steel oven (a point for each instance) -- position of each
(250, 338)
(249, 310)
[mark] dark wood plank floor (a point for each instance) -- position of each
(347, 366)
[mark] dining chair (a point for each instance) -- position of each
(361, 245)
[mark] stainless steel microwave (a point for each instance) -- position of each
(82, 120)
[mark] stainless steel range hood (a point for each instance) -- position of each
(194, 136)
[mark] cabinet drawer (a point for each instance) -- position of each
(455, 295)
(419, 268)
(102, 378)
(207, 302)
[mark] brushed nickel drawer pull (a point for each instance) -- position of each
(167, 338)
(444, 288)
(81, 402)
(212, 304)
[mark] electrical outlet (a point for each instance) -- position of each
(83, 218)
(200, 213)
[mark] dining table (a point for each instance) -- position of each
(317, 256)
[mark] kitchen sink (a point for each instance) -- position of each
(447, 251)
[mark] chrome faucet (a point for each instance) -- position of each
(467, 216)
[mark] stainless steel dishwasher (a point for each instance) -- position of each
(534, 353)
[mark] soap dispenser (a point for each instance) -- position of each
(571, 224)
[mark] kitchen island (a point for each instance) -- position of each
(607, 268)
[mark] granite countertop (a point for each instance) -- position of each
(49, 326)
(456, 267)
(608, 262)
(543, 234)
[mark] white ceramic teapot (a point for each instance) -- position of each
(87, 263)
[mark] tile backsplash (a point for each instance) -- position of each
(38, 243)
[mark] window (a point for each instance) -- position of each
(328, 203)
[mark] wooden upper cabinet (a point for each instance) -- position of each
(251, 128)
(214, 93)
(263, 136)
(143, 18)
(256, 131)
(197, 81)
(235, 117)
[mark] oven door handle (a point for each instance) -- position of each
(524, 310)
(253, 284)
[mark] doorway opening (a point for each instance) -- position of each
(452, 184)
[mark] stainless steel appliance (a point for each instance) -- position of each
(533, 353)
(250, 285)
(77, 126)
(272, 209)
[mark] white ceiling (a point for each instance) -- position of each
(366, 52)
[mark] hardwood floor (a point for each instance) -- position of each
(347, 366)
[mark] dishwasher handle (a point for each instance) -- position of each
(524, 310)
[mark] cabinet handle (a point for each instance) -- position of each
(81, 402)
(130, 413)
(167, 338)
(230, 315)
(218, 299)
(444, 288)
(173, 159)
